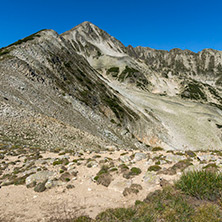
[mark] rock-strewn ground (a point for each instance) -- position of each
(38, 185)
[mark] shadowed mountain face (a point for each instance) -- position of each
(84, 89)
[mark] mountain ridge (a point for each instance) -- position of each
(124, 96)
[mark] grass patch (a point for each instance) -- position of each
(181, 165)
(157, 149)
(203, 184)
(167, 205)
(211, 165)
(113, 103)
(194, 91)
(127, 73)
(113, 69)
(135, 171)
(119, 214)
(207, 213)
(154, 168)
(60, 161)
(29, 38)
(4, 52)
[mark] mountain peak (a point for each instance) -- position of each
(89, 34)
(84, 26)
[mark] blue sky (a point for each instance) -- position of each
(189, 24)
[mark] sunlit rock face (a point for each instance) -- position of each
(84, 89)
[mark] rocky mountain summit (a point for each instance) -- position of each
(84, 89)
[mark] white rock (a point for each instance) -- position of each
(139, 156)
(125, 159)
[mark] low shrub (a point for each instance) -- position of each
(154, 168)
(135, 171)
(157, 148)
(201, 184)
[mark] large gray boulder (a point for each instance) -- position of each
(39, 177)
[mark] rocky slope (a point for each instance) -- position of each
(84, 89)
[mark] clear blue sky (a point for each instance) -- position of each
(160, 24)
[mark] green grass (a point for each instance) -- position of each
(157, 149)
(28, 38)
(135, 171)
(194, 91)
(203, 184)
(128, 72)
(104, 170)
(60, 161)
(172, 204)
(119, 214)
(207, 213)
(4, 52)
(211, 165)
(113, 103)
(154, 168)
(113, 69)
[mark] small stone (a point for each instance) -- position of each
(151, 178)
(49, 184)
(70, 186)
(92, 164)
(66, 177)
(139, 156)
(74, 173)
(63, 168)
(175, 158)
(31, 184)
(125, 159)
(40, 187)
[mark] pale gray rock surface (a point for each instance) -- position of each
(84, 89)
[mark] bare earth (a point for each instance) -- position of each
(86, 197)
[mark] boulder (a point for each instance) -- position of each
(175, 158)
(39, 177)
(151, 178)
(40, 187)
(125, 159)
(139, 156)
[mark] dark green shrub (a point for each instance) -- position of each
(113, 69)
(154, 168)
(157, 148)
(135, 171)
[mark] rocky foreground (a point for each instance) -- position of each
(38, 185)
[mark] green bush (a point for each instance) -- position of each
(113, 69)
(201, 184)
(154, 168)
(135, 171)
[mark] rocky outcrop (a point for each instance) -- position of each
(84, 89)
